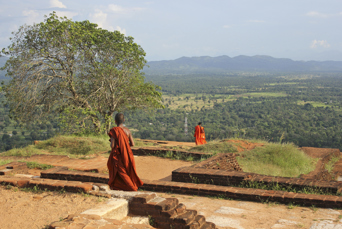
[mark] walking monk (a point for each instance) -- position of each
(121, 165)
(199, 134)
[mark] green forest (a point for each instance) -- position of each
(305, 109)
(301, 108)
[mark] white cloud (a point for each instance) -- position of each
(227, 26)
(118, 28)
(100, 18)
(119, 9)
(32, 16)
(321, 43)
(68, 14)
(116, 8)
(317, 14)
(256, 21)
(57, 3)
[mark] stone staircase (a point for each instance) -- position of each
(112, 214)
(167, 213)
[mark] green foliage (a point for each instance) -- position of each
(330, 165)
(34, 189)
(264, 106)
(273, 159)
(23, 152)
(75, 145)
(36, 165)
(76, 70)
(4, 162)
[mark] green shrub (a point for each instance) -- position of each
(36, 165)
(4, 162)
(277, 160)
(75, 145)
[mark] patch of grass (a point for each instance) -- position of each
(151, 220)
(330, 165)
(278, 187)
(23, 152)
(140, 143)
(36, 165)
(4, 162)
(215, 147)
(263, 94)
(313, 208)
(291, 206)
(35, 189)
(276, 159)
(75, 145)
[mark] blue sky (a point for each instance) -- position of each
(296, 29)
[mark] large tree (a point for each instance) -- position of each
(61, 66)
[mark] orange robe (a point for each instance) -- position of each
(121, 165)
(199, 135)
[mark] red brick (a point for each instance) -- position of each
(185, 218)
(5, 172)
(167, 205)
(84, 187)
(10, 181)
(22, 183)
(58, 184)
(208, 225)
(143, 198)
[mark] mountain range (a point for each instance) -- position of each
(226, 64)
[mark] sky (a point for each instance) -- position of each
(167, 30)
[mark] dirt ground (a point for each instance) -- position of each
(250, 215)
(148, 167)
(19, 209)
(22, 210)
(156, 168)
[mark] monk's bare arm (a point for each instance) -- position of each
(131, 141)
(112, 142)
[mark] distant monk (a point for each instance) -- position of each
(199, 134)
(121, 165)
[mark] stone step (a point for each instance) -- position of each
(156, 200)
(113, 209)
(186, 218)
(136, 220)
(198, 222)
(208, 225)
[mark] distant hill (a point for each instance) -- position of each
(225, 64)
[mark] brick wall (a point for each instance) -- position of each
(196, 174)
(158, 151)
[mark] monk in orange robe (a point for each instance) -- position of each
(121, 165)
(199, 134)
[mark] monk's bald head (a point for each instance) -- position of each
(119, 118)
